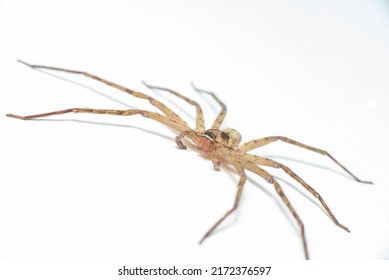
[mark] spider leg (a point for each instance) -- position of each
(271, 163)
(187, 133)
(220, 117)
(147, 114)
(137, 94)
(199, 112)
(267, 140)
(241, 183)
(270, 179)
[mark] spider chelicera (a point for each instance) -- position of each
(219, 145)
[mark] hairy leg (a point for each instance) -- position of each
(271, 163)
(267, 140)
(270, 179)
(199, 112)
(220, 117)
(169, 113)
(147, 114)
(241, 183)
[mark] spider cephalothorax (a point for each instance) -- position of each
(218, 136)
(219, 145)
(228, 136)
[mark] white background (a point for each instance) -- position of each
(97, 187)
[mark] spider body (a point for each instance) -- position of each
(219, 145)
(208, 142)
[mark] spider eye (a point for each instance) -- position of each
(225, 136)
(210, 134)
(233, 135)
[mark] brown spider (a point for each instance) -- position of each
(221, 146)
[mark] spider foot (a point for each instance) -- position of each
(343, 227)
(365, 182)
(203, 238)
(15, 116)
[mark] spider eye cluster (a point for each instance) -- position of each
(224, 136)
(210, 134)
(234, 136)
(228, 136)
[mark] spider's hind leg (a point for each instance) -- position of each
(270, 179)
(272, 163)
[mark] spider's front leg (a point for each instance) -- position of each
(144, 113)
(156, 103)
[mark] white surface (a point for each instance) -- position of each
(315, 71)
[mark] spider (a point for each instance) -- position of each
(221, 146)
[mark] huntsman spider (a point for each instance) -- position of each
(220, 145)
